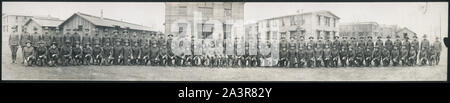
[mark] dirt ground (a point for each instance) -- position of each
(149, 73)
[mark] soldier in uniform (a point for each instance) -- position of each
(24, 36)
(438, 48)
(388, 43)
(127, 52)
(154, 52)
(97, 53)
(395, 52)
(283, 54)
(301, 52)
(352, 50)
(292, 53)
(377, 54)
(87, 54)
(336, 43)
(28, 53)
(327, 56)
(47, 37)
(398, 43)
(106, 37)
(41, 54)
(310, 55)
(379, 43)
(386, 56)
(343, 51)
(58, 38)
(415, 47)
(171, 56)
(318, 52)
(136, 53)
(35, 38)
(412, 57)
(96, 38)
(368, 54)
(76, 37)
(53, 54)
(335, 49)
(404, 54)
(424, 46)
(67, 38)
(360, 55)
(163, 55)
(328, 42)
(77, 53)
(66, 53)
(118, 53)
(145, 53)
(86, 38)
(134, 39)
(14, 44)
(116, 38)
(107, 54)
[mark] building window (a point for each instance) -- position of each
(182, 28)
(228, 12)
(318, 19)
(292, 20)
(206, 11)
(182, 10)
(318, 34)
(282, 22)
(268, 23)
(268, 35)
(327, 21)
(227, 31)
(334, 22)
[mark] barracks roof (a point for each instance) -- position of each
(98, 21)
(306, 13)
(47, 22)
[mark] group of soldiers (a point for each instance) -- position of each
(362, 52)
(79, 47)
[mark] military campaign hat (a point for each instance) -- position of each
(397, 36)
(28, 41)
(414, 36)
(300, 37)
(352, 38)
(361, 37)
(370, 37)
(388, 37)
(336, 37)
(379, 37)
(311, 37)
(344, 37)
(320, 37)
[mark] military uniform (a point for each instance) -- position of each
(35, 38)
(75, 37)
(41, 53)
(145, 53)
(97, 53)
(118, 55)
(412, 57)
(47, 38)
(58, 38)
(14, 45)
(404, 54)
(28, 53)
(292, 53)
(388, 43)
(424, 46)
(53, 54)
(96, 38)
(154, 52)
(66, 52)
(77, 53)
(87, 54)
(327, 56)
(343, 52)
(301, 52)
(310, 56)
(368, 53)
(87, 39)
(136, 52)
(127, 52)
(438, 48)
(283, 53)
(107, 54)
(318, 52)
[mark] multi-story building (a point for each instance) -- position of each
(364, 29)
(359, 29)
(10, 21)
(310, 24)
(202, 19)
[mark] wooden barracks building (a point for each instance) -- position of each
(85, 22)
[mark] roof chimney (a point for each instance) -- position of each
(101, 14)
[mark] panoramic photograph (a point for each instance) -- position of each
(224, 41)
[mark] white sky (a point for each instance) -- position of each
(147, 14)
(403, 14)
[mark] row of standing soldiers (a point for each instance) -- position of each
(123, 49)
(361, 52)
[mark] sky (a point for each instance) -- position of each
(421, 17)
(404, 14)
(147, 14)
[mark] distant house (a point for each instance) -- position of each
(405, 32)
(42, 25)
(82, 22)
